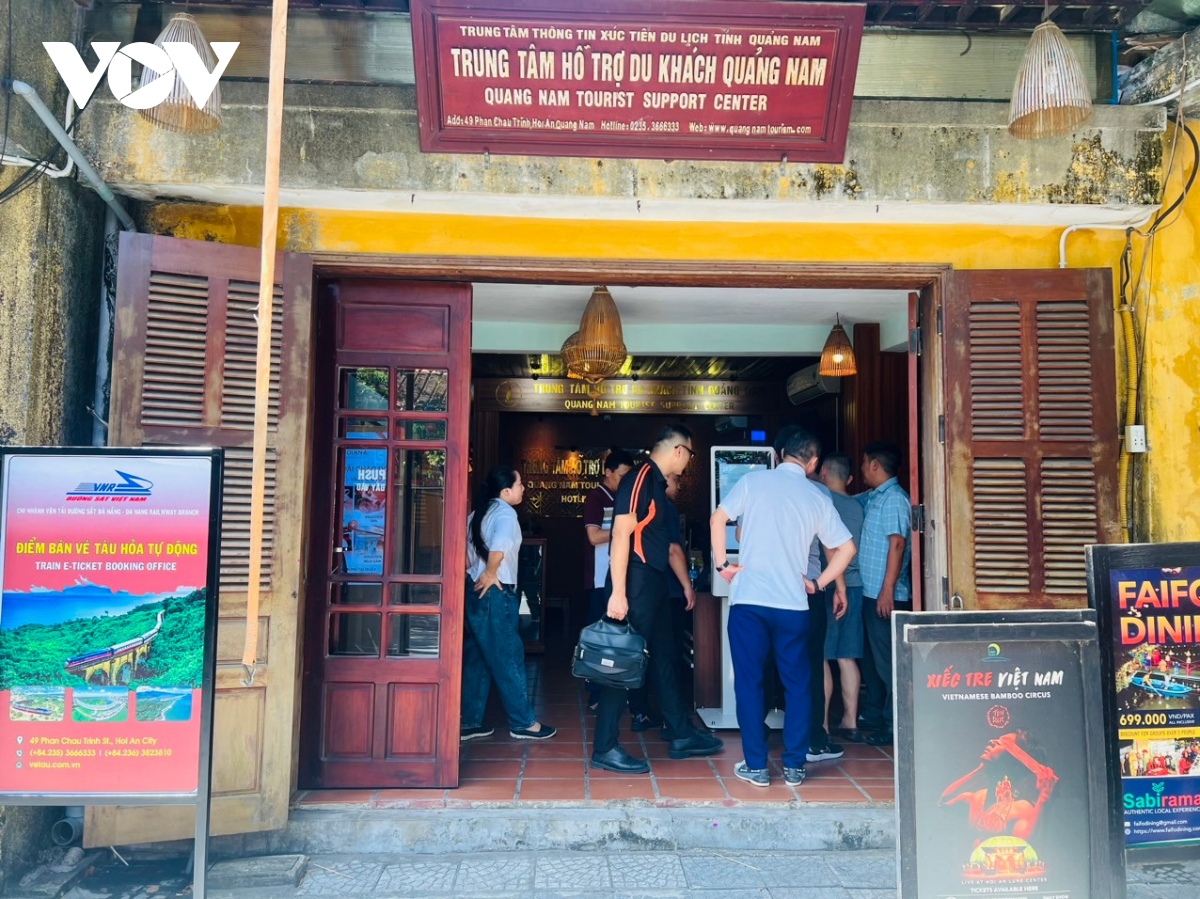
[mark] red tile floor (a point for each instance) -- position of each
(500, 771)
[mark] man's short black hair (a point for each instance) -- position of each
(616, 458)
(673, 434)
(886, 453)
(838, 465)
(795, 441)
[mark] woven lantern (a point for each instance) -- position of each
(597, 350)
(179, 112)
(1050, 97)
(837, 358)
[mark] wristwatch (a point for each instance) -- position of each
(723, 566)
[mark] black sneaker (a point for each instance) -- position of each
(475, 733)
(825, 753)
(642, 723)
(545, 733)
(699, 743)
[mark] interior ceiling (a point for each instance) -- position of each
(563, 304)
(666, 368)
(1075, 15)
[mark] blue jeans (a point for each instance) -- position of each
(755, 634)
(493, 651)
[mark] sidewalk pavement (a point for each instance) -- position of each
(624, 874)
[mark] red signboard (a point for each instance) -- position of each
(672, 79)
(106, 623)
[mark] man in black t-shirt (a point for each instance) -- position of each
(640, 566)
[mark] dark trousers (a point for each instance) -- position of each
(877, 664)
(756, 633)
(818, 624)
(493, 651)
(650, 615)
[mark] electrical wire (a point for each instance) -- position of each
(30, 176)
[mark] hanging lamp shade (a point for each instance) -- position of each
(837, 358)
(178, 112)
(597, 350)
(1051, 96)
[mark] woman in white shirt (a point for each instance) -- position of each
(492, 647)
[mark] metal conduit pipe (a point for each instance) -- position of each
(30, 96)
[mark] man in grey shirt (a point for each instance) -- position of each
(780, 512)
(844, 641)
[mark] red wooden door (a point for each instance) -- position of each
(383, 654)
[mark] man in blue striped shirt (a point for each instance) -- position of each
(883, 564)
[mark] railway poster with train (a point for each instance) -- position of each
(107, 620)
(1149, 599)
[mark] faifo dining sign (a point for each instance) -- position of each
(667, 80)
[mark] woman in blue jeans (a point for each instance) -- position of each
(492, 647)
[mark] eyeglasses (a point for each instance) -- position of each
(691, 452)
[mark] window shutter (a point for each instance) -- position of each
(1031, 433)
(183, 374)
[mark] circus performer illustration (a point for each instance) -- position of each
(1016, 789)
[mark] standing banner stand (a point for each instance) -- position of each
(1003, 790)
(109, 563)
(1147, 597)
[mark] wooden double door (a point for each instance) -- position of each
(382, 661)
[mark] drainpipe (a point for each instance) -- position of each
(30, 96)
(104, 332)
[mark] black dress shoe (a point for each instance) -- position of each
(617, 759)
(698, 743)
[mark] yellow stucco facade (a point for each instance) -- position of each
(1169, 302)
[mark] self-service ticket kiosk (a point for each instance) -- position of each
(729, 464)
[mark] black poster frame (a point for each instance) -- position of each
(1101, 561)
(1078, 626)
(202, 798)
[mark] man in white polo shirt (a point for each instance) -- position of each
(780, 512)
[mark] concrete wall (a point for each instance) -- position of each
(49, 289)
(50, 252)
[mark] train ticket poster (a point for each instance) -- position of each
(1150, 598)
(106, 609)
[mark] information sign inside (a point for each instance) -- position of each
(1149, 600)
(645, 396)
(667, 79)
(107, 623)
(1005, 792)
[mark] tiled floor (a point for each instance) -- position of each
(500, 771)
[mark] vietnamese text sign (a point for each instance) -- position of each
(668, 79)
(1006, 797)
(644, 396)
(1149, 597)
(104, 622)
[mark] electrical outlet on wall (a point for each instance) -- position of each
(1135, 438)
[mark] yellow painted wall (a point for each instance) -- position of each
(1168, 495)
(1166, 490)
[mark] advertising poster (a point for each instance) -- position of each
(1001, 773)
(364, 507)
(1155, 618)
(104, 576)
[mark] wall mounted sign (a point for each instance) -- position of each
(662, 80)
(1003, 790)
(1148, 599)
(108, 577)
(645, 396)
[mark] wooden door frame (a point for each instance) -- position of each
(929, 280)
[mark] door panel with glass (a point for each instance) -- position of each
(384, 647)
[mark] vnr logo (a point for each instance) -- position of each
(175, 56)
(130, 485)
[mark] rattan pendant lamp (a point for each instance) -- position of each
(597, 350)
(837, 358)
(1051, 96)
(179, 112)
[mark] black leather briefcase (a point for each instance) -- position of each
(612, 654)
